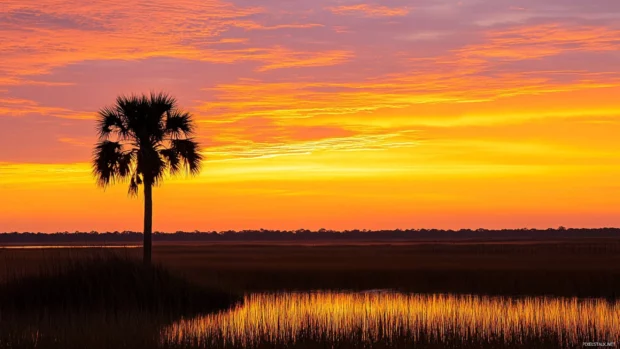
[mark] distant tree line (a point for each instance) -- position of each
(94, 237)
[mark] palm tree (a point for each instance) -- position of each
(140, 139)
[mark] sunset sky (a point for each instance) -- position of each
(321, 114)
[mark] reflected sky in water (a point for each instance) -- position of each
(39, 247)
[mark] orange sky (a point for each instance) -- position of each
(321, 114)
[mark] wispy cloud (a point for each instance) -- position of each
(15, 107)
(370, 10)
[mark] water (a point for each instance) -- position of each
(366, 319)
(45, 247)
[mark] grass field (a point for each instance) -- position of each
(582, 267)
(578, 267)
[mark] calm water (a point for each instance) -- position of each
(40, 247)
(390, 318)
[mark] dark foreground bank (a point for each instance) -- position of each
(102, 299)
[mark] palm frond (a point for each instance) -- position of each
(150, 135)
(162, 102)
(179, 124)
(126, 163)
(157, 105)
(130, 108)
(150, 165)
(134, 184)
(107, 156)
(159, 168)
(109, 122)
(171, 157)
(133, 187)
(189, 153)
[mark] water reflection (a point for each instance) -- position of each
(40, 247)
(364, 319)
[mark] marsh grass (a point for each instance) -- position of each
(105, 300)
(565, 268)
(79, 330)
(111, 283)
(589, 268)
(579, 268)
(389, 319)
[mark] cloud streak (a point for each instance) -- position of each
(370, 10)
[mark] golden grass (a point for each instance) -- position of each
(367, 318)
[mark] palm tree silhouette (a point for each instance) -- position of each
(140, 138)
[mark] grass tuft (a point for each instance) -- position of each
(110, 283)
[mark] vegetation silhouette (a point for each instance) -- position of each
(109, 282)
(304, 235)
(100, 300)
(140, 138)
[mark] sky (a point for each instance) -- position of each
(331, 114)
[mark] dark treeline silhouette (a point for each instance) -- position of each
(308, 235)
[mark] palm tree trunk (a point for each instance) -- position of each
(148, 221)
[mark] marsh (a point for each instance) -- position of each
(374, 295)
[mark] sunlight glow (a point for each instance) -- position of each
(370, 317)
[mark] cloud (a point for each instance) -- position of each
(257, 26)
(39, 138)
(34, 19)
(267, 130)
(40, 38)
(14, 107)
(305, 73)
(78, 142)
(358, 143)
(370, 10)
(529, 42)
